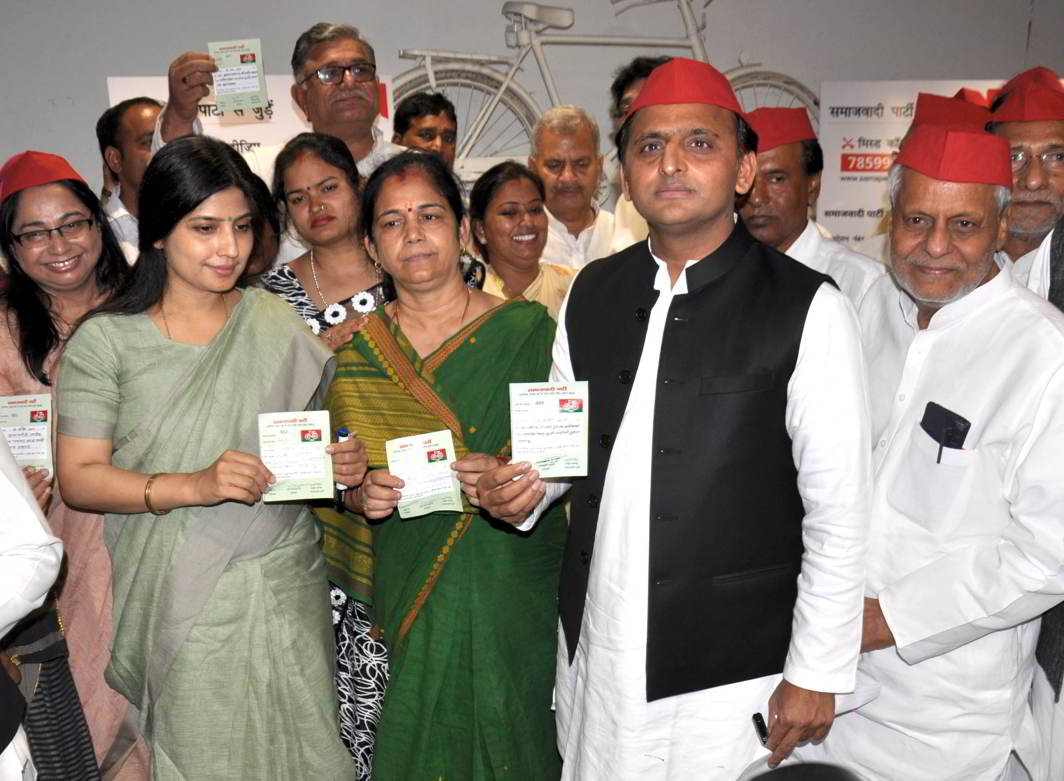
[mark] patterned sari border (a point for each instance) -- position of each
(403, 373)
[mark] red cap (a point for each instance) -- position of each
(779, 126)
(940, 110)
(1047, 77)
(973, 96)
(686, 81)
(957, 153)
(1031, 102)
(30, 168)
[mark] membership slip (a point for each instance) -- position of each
(240, 82)
(25, 423)
(292, 446)
(423, 463)
(548, 427)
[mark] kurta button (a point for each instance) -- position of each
(641, 314)
(605, 440)
(585, 557)
(625, 376)
(593, 501)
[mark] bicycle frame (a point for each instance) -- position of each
(529, 38)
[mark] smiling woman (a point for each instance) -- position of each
(216, 604)
(64, 261)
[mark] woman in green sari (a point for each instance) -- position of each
(221, 633)
(466, 605)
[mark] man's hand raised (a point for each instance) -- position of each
(189, 77)
(510, 493)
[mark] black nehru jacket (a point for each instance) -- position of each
(725, 513)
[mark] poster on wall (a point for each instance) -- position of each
(244, 129)
(861, 126)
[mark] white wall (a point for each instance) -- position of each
(56, 55)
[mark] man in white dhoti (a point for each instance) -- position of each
(714, 567)
(966, 548)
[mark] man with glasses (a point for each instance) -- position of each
(1029, 114)
(336, 86)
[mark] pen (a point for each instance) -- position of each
(342, 435)
(760, 728)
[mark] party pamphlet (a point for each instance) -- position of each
(292, 446)
(239, 82)
(423, 462)
(548, 427)
(26, 424)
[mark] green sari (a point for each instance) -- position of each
(467, 605)
(222, 642)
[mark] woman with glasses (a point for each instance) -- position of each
(221, 639)
(63, 260)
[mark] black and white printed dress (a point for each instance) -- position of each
(361, 659)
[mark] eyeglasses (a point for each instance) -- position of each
(1052, 160)
(68, 230)
(334, 74)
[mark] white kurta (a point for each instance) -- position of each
(123, 225)
(1032, 270)
(966, 553)
(853, 272)
(606, 727)
(565, 249)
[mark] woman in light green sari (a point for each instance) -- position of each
(466, 605)
(221, 635)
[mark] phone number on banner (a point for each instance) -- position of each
(867, 162)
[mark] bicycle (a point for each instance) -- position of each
(496, 113)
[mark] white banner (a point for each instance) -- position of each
(861, 125)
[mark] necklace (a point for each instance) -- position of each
(166, 323)
(465, 310)
(314, 274)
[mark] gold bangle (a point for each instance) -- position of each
(147, 495)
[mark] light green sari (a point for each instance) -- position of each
(222, 637)
(467, 605)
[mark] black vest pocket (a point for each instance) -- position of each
(737, 383)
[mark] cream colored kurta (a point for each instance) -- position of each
(548, 288)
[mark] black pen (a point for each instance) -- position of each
(342, 435)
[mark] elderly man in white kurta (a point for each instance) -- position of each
(565, 155)
(714, 567)
(776, 210)
(966, 548)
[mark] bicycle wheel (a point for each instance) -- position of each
(507, 135)
(767, 89)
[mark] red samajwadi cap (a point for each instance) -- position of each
(30, 168)
(1047, 77)
(957, 153)
(1031, 102)
(681, 80)
(779, 126)
(973, 96)
(940, 110)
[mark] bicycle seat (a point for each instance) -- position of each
(548, 15)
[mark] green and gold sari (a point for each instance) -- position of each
(467, 605)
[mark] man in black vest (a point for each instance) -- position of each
(714, 563)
